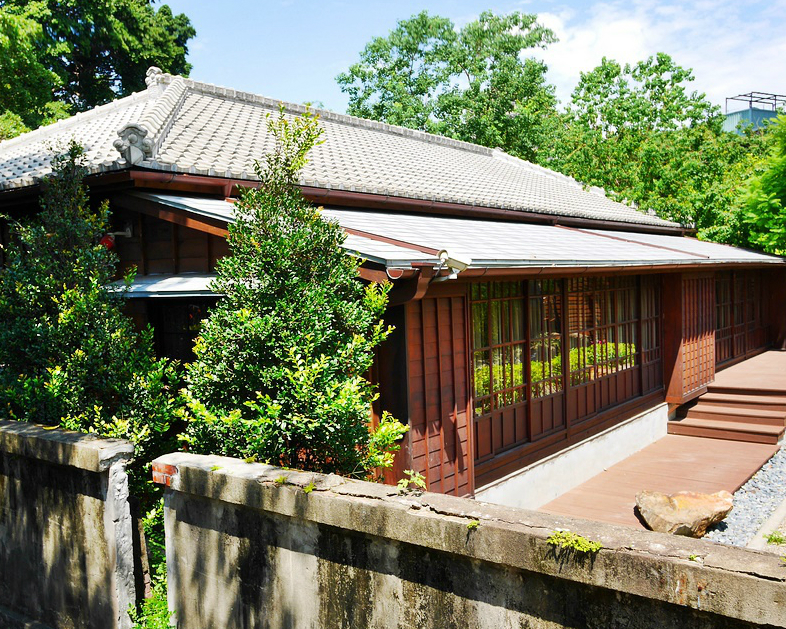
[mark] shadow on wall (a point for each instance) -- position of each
(55, 568)
(249, 547)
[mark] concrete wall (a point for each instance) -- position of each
(66, 555)
(549, 478)
(249, 545)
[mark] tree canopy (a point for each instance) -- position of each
(471, 84)
(26, 84)
(763, 204)
(84, 53)
(639, 132)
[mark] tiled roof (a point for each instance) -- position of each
(401, 240)
(179, 125)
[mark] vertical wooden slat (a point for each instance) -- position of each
(440, 413)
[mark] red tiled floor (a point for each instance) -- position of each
(765, 372)
(673, 463)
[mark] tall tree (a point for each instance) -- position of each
(472, 84)
(279, 373)
(26, 84)
(69, 354)
(763, 207)
(642, 135)
(100, 49)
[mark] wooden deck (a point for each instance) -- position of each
(765, 373)
(673, 463)
(690, 463)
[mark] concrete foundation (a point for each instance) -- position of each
(66, 557)
(249, 545)
(546, 480)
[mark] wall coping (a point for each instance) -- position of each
(63, 447)
(699, 574)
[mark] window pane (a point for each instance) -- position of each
(480, 324)
(518, 365)
(497, 375)
(517, 319)
(496, 322)
(481, 370)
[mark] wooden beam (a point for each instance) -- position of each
(172, 215)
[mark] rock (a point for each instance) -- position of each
(684, 513)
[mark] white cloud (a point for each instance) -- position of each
(732, 46)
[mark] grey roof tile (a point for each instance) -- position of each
(194, 127)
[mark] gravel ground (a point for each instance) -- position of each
(754, 502)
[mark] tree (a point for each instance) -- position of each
(27, 85)
(763, 207)
(279, 373)
(101, 50)
(637, 132)
(68, 354)
(471, 84)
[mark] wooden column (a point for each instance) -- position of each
(689, 335)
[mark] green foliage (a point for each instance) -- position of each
(309, 488)
(472, 84)
(568, 540)
(99, 50)
(70, 356)
(776, 537)
(764, 196)
(473, 525)
(586, 363)
(640, 134)
(11, 125)
(412, 481)
(26, 83)
(154, 612)
(693, 557)
(280, 361)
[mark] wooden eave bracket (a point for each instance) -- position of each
(171, 214)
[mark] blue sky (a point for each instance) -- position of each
(293, 49)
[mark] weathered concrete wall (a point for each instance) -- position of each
(549, 478)
(66, 555)
(248, 546)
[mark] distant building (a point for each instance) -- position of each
(762, 107)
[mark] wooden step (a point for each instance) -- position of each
(735, 400)
(731, 414)
(732, 431)
(764, 389)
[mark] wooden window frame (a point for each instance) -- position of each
(632, 314)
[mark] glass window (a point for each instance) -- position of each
(498, 342)
(603, 325)
(545, 325)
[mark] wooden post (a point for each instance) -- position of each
(672, 337)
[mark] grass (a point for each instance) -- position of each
(572, 541)
(777, 538)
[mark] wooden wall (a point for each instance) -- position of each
(439, 415)
(689, 309)
(161, 247)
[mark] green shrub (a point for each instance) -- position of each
(280, 364)
(69, 355)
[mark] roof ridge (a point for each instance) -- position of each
(325, 114)
(79, 117)
(140, 141)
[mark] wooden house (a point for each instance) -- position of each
(531, 314)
